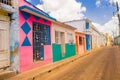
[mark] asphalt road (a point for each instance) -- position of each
(103, 64)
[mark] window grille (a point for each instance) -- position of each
(41, 37)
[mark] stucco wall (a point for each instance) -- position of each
(81, 48)
(57, 27)
(26, 52)
(98, 39)
(14, 34)
(79, 24)
(70, 49)
(14, 42)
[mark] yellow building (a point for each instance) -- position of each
(108, 40)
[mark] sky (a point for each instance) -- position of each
(100, 12)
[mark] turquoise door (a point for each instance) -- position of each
(88, 42)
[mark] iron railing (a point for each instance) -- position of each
(7, 2)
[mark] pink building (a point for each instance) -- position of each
(80, 42)
(35, 37)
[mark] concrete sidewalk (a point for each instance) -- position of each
(46, 68)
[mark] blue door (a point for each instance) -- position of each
(88, 42)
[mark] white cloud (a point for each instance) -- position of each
(111, 1)
(111, 25)
(114, 1)
(98, 3)
(63, 10)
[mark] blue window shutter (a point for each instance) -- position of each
(87, 25)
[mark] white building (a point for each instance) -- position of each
(94, 38)
(84, 26)
(98, 39)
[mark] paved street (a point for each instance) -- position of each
(103, 64)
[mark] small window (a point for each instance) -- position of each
(80, 40)
(87, 25)
(60, 39)
(70, 37)
(57, 37)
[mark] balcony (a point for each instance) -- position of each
(7, 2)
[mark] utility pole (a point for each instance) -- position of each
(118, 14)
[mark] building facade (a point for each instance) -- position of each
(98, 39)
(108, 40)
(63, 41)
(35, 36)
(84, 26)
(9, 46)
(31, 38)
(80, 42)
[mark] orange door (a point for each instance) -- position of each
(77, 45)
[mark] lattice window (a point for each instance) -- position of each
(57, 37)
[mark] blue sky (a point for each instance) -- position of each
(100, 14)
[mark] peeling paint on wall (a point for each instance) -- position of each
(14, 42)
(14, 36)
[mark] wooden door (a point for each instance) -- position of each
(4, 44)
(77, 45)
(62, 36)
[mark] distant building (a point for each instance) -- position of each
(94, 38)
(98, 39)
(84, 26)
(108, 40)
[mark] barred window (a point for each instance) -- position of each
(41, 37)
